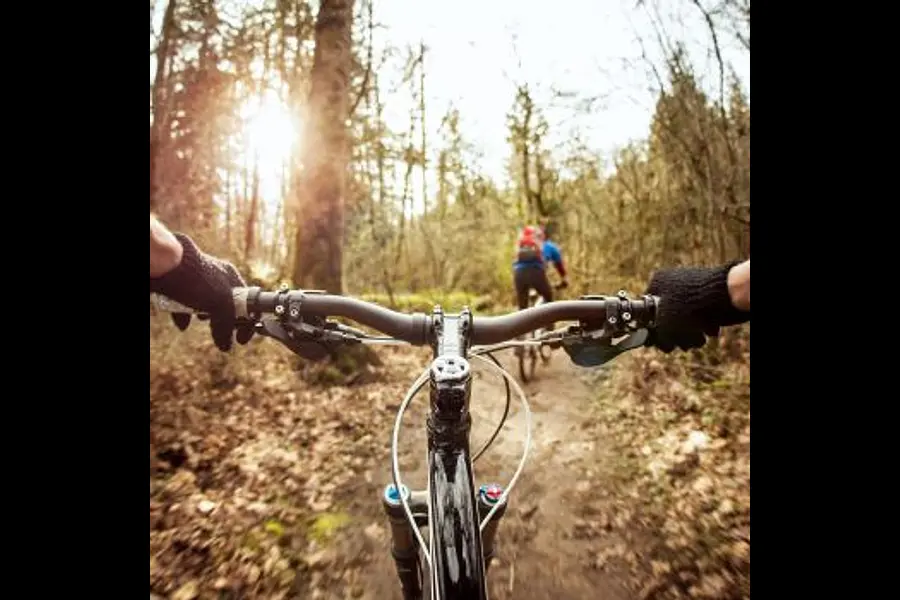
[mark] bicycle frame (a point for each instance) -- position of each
(450, 508)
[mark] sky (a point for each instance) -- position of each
(478, 49)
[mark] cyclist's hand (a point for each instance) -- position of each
(694, 304)
(204, 283)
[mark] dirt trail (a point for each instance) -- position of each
(544, 549)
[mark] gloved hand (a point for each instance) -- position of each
(694, 303)
(204, 283)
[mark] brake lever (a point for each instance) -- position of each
(305, 341)
(554, 339)
(598, 347)
(349, 333)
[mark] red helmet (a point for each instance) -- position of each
(533, 231)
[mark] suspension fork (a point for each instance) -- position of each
(404, 545)
(488, 496)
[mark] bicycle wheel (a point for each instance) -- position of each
(543, 352)
(529, 357)
(546, 353)
(527, 363)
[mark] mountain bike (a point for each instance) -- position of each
(528, 356)
(461, 520)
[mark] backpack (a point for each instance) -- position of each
(530, 245)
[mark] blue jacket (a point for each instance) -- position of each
(551, 255)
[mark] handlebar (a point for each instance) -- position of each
(607, 325)
(409, 328)
(415, 328)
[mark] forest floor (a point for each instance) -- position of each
(264, 485)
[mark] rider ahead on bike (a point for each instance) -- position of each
(534, 249)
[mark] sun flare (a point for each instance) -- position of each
(271, 132)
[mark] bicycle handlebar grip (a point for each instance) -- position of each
(241, 298)
(495, 330)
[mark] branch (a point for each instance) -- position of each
(732, 159)
(731, 212)
(745, 12)
(715, 40)
(364, 86)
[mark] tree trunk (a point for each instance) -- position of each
(159, 108)
(321, 207)
(424, 147)
(228, 210)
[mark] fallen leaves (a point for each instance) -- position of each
(251, 463)
(188, 591)
(683, 447)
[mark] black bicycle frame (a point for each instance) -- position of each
(458, 569)
(459, 555)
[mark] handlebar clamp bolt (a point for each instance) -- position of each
(626, 316)
(622, 294)
(283, 287)
(612, 320)
(279, 310)
(294, 312)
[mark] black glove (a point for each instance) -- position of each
(204, 283)
(694, 303)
